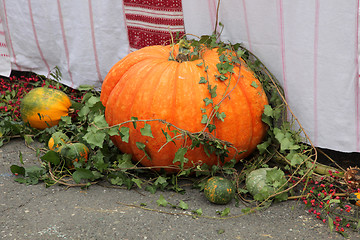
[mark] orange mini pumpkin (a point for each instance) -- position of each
(151, 84)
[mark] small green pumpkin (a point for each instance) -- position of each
(74, 152)
(219, 190)
(264, 182)
(57, 140)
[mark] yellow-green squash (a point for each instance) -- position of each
(264, 182)
(43, 107)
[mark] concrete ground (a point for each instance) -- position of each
(100, 212)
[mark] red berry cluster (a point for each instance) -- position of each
(12, 90)
(326, 201)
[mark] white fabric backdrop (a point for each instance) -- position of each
(5, 65)
(311, 46)
(83, 38)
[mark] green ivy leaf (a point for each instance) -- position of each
(220, 116)
(94, 137)
(15, 169)
(92, 101)
(274, 174)
(66, 120)
(282, 197)
(267, 120)
(28, 139)
(225, 67)
(100, 121)
(151, 188)
(221, 77)
(198, 212)
(240, 53)
(183, 205)
(285, 140)
(21, 157)
(124, 161)
(142, 146)
(162, 201)
(120, 178)
(85, 87)
(134, 119)
(212, 91)
(114, 131)
(254, 85)
(146, 130)
(268, 111)
(204, 119)
(167, 136)
(224, 212)
(33, 174)
(125, 134)
(161, 181)
(98, 161)
(208, 101)
(211, 127)
(286, 144)
(82, 173)
(246, 210)
(262, 147)
(202, 80)
(331, 223)
(84, 111)
(51, 157)
(137, 181)
(180, 156)
(295, 158)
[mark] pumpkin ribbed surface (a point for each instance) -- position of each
(43, 107)
(147, 85)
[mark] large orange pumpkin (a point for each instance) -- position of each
(147, 84)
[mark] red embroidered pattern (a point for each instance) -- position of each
(149, 22)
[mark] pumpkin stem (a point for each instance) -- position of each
(185, 52)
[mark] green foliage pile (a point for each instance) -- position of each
(286, 146)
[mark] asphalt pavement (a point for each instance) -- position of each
(103, 212)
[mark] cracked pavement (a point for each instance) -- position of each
(100, 212)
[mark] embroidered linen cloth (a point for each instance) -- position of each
(150, 22)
